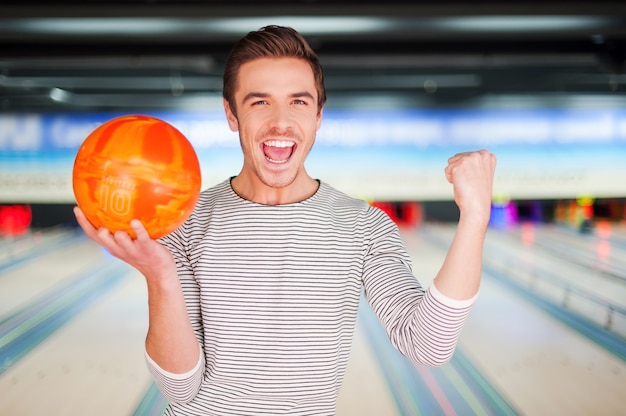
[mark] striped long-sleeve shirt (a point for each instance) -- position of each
(272, 292)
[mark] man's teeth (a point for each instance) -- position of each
(279, 143)
(278, 151)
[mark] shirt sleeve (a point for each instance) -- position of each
(424, 325)
(182, 388)
(179, 388)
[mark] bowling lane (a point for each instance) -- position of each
(28, 280)
(14, 249)
(568, 257)
(581, 271)
(365, 391)
(528, 255)
(600, 250)
(540, 365)
(619, 230)
(93, 365)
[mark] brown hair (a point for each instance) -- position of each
(271, 42)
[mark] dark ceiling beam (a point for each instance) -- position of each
(238, 8)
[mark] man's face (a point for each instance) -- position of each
(277, 118)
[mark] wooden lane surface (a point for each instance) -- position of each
(29, 280)
(94, 364)
(91, 366)
(537, 363)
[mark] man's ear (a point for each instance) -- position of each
(319, 119)
(233, 123)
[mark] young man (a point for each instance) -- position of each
(253, 300)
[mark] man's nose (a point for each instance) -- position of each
(280, 117)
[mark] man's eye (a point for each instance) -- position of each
(260, 102)
(299, 102)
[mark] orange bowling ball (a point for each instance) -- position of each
(136, 167)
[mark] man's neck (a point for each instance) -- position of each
(257, 192)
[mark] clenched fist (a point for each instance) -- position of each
(471, 175)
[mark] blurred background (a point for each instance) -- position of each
(541, 84)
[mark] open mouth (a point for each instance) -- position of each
(278, 151)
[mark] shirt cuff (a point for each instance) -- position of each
(453, 303)
(175, 376)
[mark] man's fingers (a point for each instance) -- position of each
(452, 162)
(476, 161)
(140, 230)
(101, 235)
(127, 243)
(87, 227)
(123, 240)
(136, 251)
(448, 172)
(453, 159)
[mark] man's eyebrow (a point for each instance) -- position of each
(253, 95)
(256, 95)
(302, 94)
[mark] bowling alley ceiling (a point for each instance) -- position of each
(127, 55)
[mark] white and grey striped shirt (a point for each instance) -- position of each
(272, 292)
